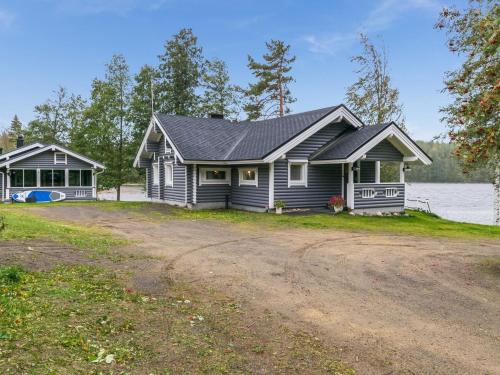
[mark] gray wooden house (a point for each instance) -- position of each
(48, 167)
(302, 159)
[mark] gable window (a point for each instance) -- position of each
(169, 174)
(215, 176)
(297, 173)
(248, 176)
(368, 193)
(156, 174)
(60, 158)
(52, 177)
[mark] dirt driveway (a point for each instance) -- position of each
(395, 304)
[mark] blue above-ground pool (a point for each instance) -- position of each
(40, 196)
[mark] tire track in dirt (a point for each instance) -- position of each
(291, 266)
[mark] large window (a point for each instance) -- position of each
(169, 174)
(86, 177)
(80, 177)
(297, 173)
(52, 177)
(215, 176)
(16, 178)
(30, 177)
(23, 178)
(248, 176)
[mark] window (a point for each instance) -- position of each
(249, 176)
(221, 176)
(52, 177)
(23, 178)
(58, 177)
(297, 173)
(86, 177)
(16, 178)
(368, 193)
(46, 177)
(156, 174)
(30, 177)
(391, 192)
(74, 178)
(79, 177)
(60, 158)
(169, 174)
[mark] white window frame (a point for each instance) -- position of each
(169, 181)
(204, 181)
(368, 193)
(80, 171)
(24, 185)
(156, 174)
(242, 181)
(303, 181)
(65, 158)
(391, 192)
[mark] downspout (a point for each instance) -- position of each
(95, 183)
(3, 185)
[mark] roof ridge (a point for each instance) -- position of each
(332, 144)
(243, 135)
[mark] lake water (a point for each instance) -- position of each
(471, 203)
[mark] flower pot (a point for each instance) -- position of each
(279, 210)
(338, 209)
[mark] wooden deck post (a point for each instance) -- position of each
(402, 172)
(377, 172)
(350, 186)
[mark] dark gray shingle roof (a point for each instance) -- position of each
(347, 144)
(223, 140)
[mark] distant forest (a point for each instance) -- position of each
(445, 166)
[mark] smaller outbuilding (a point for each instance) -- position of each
(38, 167)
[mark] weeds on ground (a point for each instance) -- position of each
(79, 319)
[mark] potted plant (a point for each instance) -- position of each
(279, 204)
(336, 203)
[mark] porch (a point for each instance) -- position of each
(364, 191)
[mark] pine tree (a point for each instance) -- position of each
(371, 97)
(117, 76)
(142, 103)
(270, 95)
(105, 135)
(219, 95)
(180, 71)
(472, 117)
(15, 130)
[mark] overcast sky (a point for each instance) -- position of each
(47, 43)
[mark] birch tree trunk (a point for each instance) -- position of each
(496, 194)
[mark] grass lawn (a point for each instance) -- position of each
(416, 224)
(84, 318)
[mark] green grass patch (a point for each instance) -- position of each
(80, 320)
(491, 265)
(22, 225)
(416, 223)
